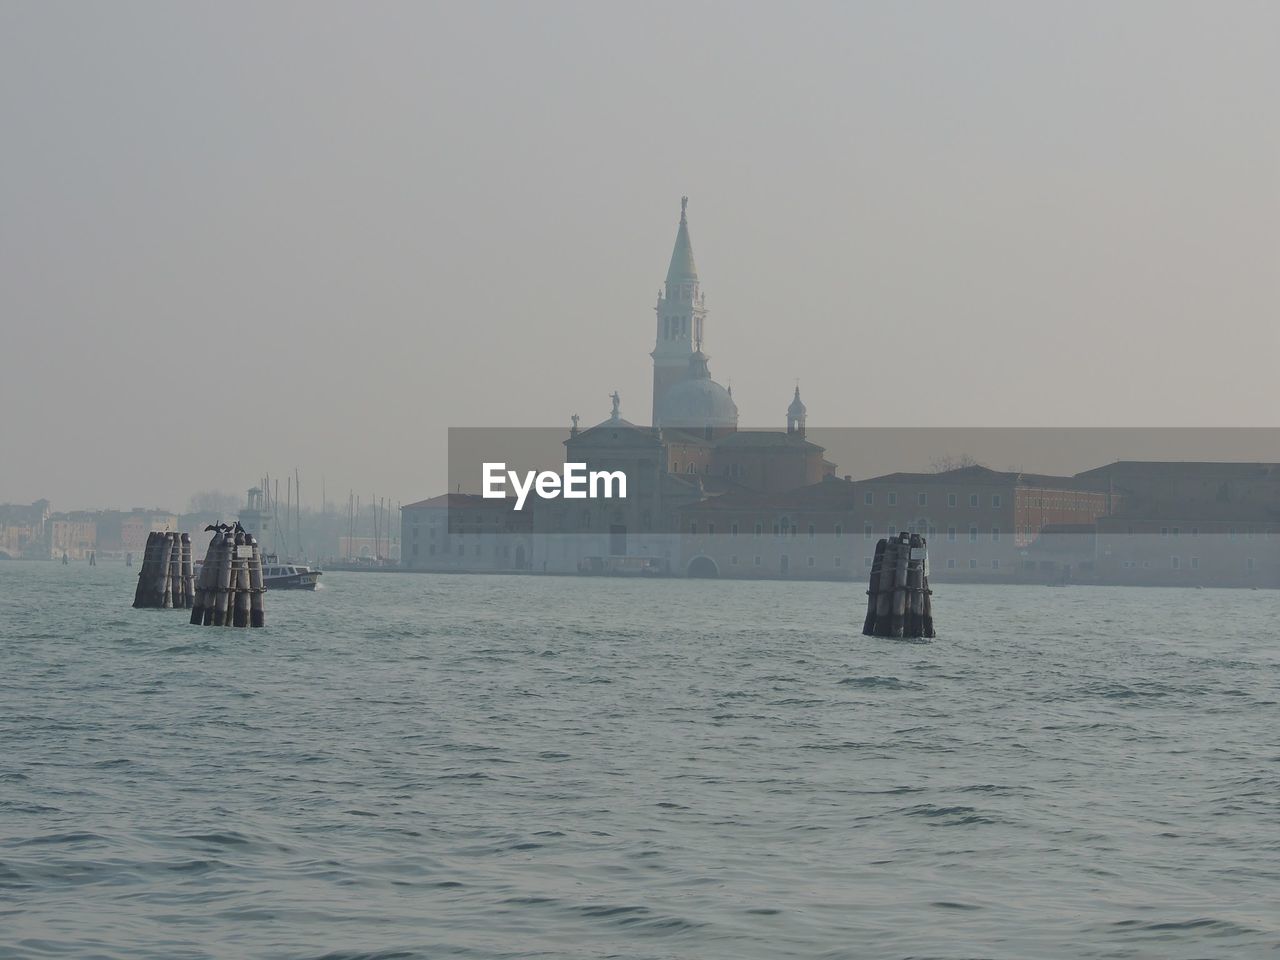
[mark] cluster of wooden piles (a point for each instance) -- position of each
(166, 578)
(899, 600)
(230, 588)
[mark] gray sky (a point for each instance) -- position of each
(259, 236)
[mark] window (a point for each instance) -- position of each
(892, 500)
(836, 561)
(1231, 533)
(973, 534)
(866, 561)
(951, 563)
(1175, 562)
(866, 531)
(1195, 563)
(951, 534)
(973, 564)
(995, 564)
(691, 468)
(759, 530)
(733, 530)
(811, 561)
(1176, 531)
(995, 501)
(1164, 531)
(1195, 531)
(839, 530)
(693, 528)
(888, 528)
(951, 499)
(812, 531)
(922, 499)
(1249, 564)
(973, 499)
(711, 529)
(868, 498)
(995, 534)
(733, 561)
(757, 561)
(675, 466)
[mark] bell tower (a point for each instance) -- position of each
(796, 414)
(681, 314)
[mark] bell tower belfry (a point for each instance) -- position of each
(681, 313)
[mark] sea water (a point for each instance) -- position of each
(413, 766)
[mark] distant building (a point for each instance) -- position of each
(1158, 483)
(1191, 524)
(1189, 549)
(465, 533)
(23, 529)
(981, 524)
(73, 535)
(805, 533)
(121, 533)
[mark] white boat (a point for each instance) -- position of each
(287, 576)
(283, 576)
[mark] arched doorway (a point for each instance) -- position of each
(703, 567)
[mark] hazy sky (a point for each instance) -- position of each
(243, 238)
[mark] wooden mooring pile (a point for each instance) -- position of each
(165, 580)
(899, 600)
(229, 591)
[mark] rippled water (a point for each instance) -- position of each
(420, 766)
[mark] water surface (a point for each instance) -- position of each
(428, 766)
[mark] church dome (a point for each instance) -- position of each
(698, 401)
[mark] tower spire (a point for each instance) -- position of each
(682, 269)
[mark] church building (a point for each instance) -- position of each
(692, 452)
(692, 457)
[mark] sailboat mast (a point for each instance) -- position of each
(297, 485)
